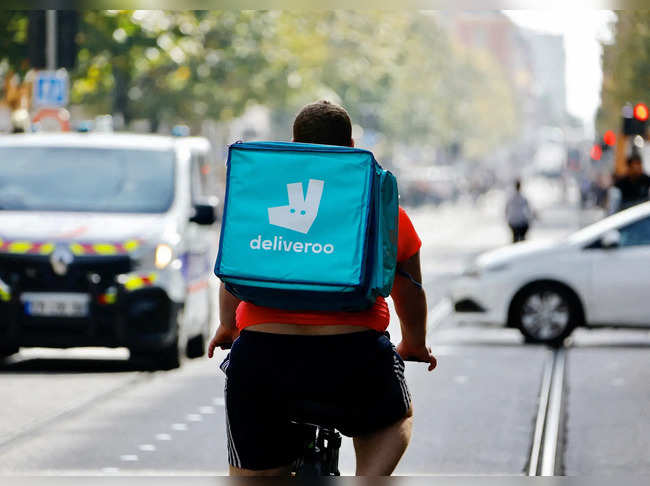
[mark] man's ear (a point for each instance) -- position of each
(351, 142)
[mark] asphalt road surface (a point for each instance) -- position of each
(492, 406)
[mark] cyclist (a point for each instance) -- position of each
(339, 359)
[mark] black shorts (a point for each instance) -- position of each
(356, 381)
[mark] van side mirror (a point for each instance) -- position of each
(611, 239)
(205, 212)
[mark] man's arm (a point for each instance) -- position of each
(411, 307)
(227, 307)
(227, 331)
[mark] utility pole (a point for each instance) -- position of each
(50, 40)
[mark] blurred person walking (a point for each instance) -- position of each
(518, 214)
(635, 186)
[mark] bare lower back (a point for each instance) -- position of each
(307, 330)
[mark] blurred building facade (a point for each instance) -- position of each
(534, 62)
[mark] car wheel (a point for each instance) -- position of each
(167, 358)
(195, 346)
(545, 313)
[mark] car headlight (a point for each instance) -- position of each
(153, 256)
(496, 268)
(472, 271)
(163, 256)
(475, 270)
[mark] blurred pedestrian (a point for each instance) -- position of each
(634, 187)
(518, 214)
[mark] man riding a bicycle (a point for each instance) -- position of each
(340, 360)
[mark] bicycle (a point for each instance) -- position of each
(321, 441)
(320, 456)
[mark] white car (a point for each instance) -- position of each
(597, 276)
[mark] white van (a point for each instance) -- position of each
(107, 240)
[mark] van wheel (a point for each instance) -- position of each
(167, 358)
(546, 314)
(196, 346)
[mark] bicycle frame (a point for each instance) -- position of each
(320, 456)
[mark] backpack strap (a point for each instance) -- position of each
(408, 276)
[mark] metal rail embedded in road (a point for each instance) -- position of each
(546, 448)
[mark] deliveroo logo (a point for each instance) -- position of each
(301, 211)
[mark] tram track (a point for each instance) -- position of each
(548, 437)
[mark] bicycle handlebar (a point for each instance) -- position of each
(412, 359)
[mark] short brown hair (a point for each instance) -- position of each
(323, 122)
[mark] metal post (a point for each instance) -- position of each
(50, 39)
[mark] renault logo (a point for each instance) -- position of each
(60, 259)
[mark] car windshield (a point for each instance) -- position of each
(86, 179)
(593, 231)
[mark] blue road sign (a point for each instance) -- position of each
(51, 89)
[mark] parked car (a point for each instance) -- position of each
(106, 240)
(598, 276)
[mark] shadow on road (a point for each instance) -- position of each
(68, 365)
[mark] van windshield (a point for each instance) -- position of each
(86, 179)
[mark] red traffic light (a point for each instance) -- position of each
(609, 138)
(641, 112)
(596, 152)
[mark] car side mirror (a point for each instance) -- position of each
(611, 239)
(205, 212)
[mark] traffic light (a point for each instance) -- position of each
(635, 119)
(67, 25)
(609, 138)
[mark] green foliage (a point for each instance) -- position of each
(397, 73)
(626, 67)
(13, 40)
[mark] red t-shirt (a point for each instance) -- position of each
(377, 317)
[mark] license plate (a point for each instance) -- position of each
(55, 304)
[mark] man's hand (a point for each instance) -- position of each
(223, 335)
(417, 353)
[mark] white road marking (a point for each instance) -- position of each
(179, 427)
(193, 417)
(110, 470)
(207, 410)
(129, 457)
(163, 437)
(460, 379)
(220, 401)
(147, 447)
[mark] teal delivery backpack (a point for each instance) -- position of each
(307, 227)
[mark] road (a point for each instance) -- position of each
(88, 411)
